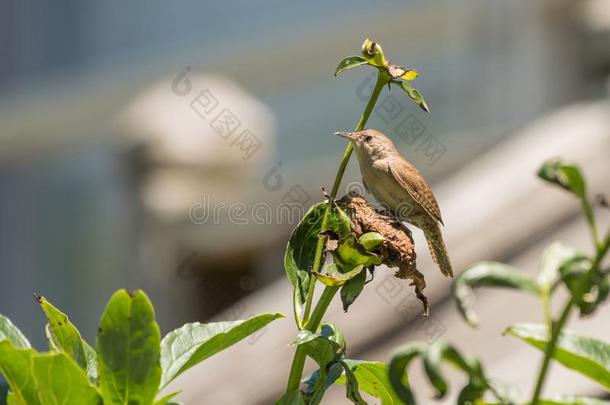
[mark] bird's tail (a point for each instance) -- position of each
(438, 251)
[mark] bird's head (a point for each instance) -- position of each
(371, 142)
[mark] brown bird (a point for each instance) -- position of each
(399, 186)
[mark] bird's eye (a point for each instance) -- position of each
(368, 138)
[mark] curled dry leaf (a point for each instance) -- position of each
(399, 72)
(397, 248)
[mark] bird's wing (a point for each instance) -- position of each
(416, 186)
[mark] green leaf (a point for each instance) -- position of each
(64, 337)
(569, 178)
(371, 240)
(588, 289)
(351, 386)
(563, 175)
(292, 398)
(90, 354)
(474, 391)
(372, 378)
(586, 355)
(398, 370)
(128, 350)
(326, 331)
(11, 399)
(488, 274)
(91, 357)
(552, 259)
(333, 276)
(323, 347)
(8, 331)
(49, 378)
(59, 380)
(352, 254)
(326, 348)
(323, 379)
(415, 96)
(192, 343)
(373, 53)
(300, 253)
(433, 356)
(301, 249)
(16, 368)
(440, 351)
(348, 63)
(339, 222)
(352, 289)
(165, 400)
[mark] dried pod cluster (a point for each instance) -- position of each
(397, 248)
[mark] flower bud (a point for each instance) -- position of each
(373, 53)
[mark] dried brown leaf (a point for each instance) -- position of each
(397, 249)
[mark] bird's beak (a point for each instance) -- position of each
(348, 135)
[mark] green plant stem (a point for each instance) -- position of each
(311, 324)
(381, 81)
(546, 308)
(550, 350)
(602, 249)
(588, 210)
(298, 362)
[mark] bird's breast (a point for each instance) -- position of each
(384, 187)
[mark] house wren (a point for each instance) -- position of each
(398, 185)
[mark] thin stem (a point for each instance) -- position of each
(550, 350)
(602, 249)
(298, 362)
(381, 81)
(321, 307)
(311, 324)
(588, 210)
(546, 308)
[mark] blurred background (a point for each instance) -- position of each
(149, 144)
